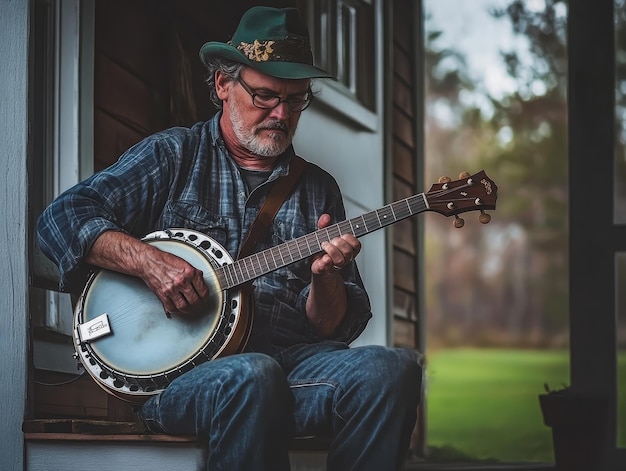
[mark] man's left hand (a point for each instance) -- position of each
(337, 253)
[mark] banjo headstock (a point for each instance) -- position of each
(475, 192)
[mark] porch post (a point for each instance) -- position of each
(14, 38)
(594, 239)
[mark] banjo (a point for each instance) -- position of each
(127, 344)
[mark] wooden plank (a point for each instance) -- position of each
(403, 163)
(403, 128)
(404, 333)
(84, 437)
(402, 15)
(404, 304)
(404, 232)
(191, 24)
(297, 444)
(111, 139)
(127, 97)
(402, 190)
(403, 270)
(404, 235)
(104, 430)
(404, 97)
(132, 33)
(402, 67)
(83, 426)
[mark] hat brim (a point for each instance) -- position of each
(278, 69)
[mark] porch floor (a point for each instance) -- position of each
(45, 432)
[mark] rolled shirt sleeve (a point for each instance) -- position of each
(357, 316)
(120, 198)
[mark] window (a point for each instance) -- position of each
(343, 36)
(63, 153)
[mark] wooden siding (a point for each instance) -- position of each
(145, 54)
(404, 148)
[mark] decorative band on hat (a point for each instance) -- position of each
(290, 49)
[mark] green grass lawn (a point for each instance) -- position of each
(482, 403)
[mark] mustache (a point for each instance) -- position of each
(274, 124)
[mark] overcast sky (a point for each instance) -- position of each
(468, 28)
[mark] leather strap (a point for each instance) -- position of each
(274, 200)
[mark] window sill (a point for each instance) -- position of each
(332, 96)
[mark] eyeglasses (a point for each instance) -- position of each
(268, 102)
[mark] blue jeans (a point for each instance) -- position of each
(249, 406)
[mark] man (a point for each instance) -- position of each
(297, 375)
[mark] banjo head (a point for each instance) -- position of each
(124, 338)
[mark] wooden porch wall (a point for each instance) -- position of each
(147, 77)
(405, 150)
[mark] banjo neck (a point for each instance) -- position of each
(268, 260)
(475, 192)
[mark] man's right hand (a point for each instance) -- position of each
(179, 286)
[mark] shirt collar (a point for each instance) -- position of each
(282, 164)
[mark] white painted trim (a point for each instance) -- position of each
(334, 95)
(73, 103)
(72, 149)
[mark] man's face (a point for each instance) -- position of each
(264, 132)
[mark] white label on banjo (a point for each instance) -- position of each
(95, 328)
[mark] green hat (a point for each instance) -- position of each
(274, 41)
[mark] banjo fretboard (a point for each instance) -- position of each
(268, 260)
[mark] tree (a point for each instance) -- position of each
(522, 142)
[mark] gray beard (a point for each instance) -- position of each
(251, 141)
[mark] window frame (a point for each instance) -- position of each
(63, 142)
(353, 92)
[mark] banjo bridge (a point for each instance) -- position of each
(94, 329)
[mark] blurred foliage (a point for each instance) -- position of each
(506, 282)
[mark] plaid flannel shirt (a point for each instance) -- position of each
(185, 177)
